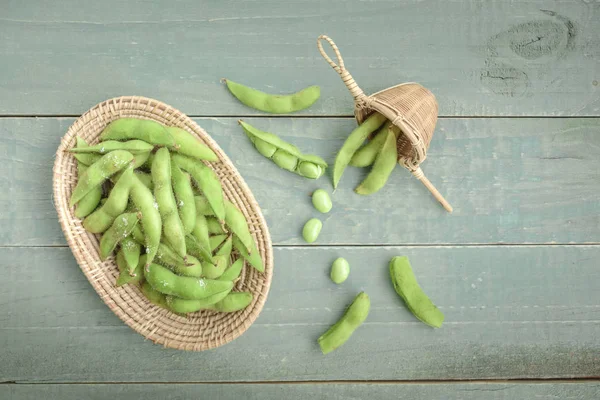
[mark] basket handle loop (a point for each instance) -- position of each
(349, 81)
(418, 173)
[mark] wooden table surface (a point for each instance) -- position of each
(515, 268)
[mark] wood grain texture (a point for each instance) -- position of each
(509, 180)
(511, 312)
(536, 57)
(337, 391)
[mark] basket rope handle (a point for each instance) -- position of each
(340, 68)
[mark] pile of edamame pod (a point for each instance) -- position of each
(380, 152)
(147, 191)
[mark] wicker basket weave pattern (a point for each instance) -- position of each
(201, 330)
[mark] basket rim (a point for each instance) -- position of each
(140, 315)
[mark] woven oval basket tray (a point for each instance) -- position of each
(201, 330)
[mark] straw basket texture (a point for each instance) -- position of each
(409, 106)
(201, 330)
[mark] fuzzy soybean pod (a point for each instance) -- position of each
(215, 269)
(253, 257)
(233, 302)
(284, 154)
(85, 159)
(131, 251)
(132, 146)
(184, 196)
(183, 306)
(275, 104)
(191, 266)
(236, 222)
(151, 222)
(200, 231)
(116, 203)
(163, 192)
(202, 206)
(91, 200)
(185, 287)
(99, 172)
(215, 241)
(118, 231)
(145, 178)
(214, 226)
(142, 129)
(234, 271)
(407, 287)
(367, 154)
(195, 248)
(207, 180)
(154, 296)
(188, 145)
(125, 276)
(341, 331)
(353, 143)
(382, 168)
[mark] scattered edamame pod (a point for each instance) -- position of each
(184, 196)
(165, 281)
(167, 207)
(340, 269)
(143, 129)
(253, 258)
(234, 301)
(407, 287)
(132, 146)
(118, 231)
(275, 104)
(99, 172)
(284, 154)
(234, 271)
(184, 306)
(311, 230)
(151, 222)
(188, 145)
(367, 154)
(353, 143)
(321, 201)
(207, 180)
(131, 251)
(382, 168)
(341, 331)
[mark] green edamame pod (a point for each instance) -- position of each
(184, 306)
(143, 129)
(132, 146)
(145, 178)
(200, 231)
(207, 180)
(253, 257)
(340, 269)
(184, 196)
(353, 143)
(275, 104)
(118, 231)
(190, 266)
(188, 145)
(321, 201)
(341, 331)
(195, 248)
(236, 222)
(215, 269)
(85, 159)
(131, 251)
(215, 241)
(151, 222)
(382, 168)
(140, 159)
(311, 230)
(233, 302)
(91, 200)
(154, 296)
(214, 226)
(284, 154)
(367, 154)
(125, 276)
(138, 235)
(167, 207)
(165, 281)
(116, 203)
(408, 289)
(202, 206)
(233, 272)
(99, 172)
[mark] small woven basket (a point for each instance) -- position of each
(409, 106)
(201, 330)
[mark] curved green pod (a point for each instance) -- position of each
(341, 331)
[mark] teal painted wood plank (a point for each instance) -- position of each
(341, 391)
(511, 312)
(509, 180)
(537, 57)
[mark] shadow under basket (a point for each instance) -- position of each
(200, 330)
(409, 106)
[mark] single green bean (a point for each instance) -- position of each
(132, 146)
(284, 154)
(234, 301)
(321, 201)
(163, 193)
(133, 128)
(233, 272)
(340, 269)
(276, 104)
(131, 250)
(184, 196)
(189, 145)
(382, 168)
(99, 172)
(341, 331)
(367, 154)
(165, 281)
(407, 287)
(207, 180)
(253, 257)
(151, 222)
(311, 230)
(353, 143)
(118, 231)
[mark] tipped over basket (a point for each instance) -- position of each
(200, 330)
(409, 106)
